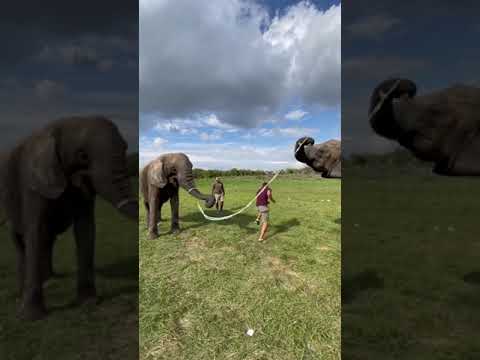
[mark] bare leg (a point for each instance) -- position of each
(263, 231)
(221, 205)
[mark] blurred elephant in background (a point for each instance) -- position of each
(324, 158)
(442, 127)
(159, 182)
(49, 182)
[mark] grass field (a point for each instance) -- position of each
(202, 289)
(417, 238)
(108, 330)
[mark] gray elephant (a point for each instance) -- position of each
(159, 182)
(442, 127)
(324, 158)
(49, 182)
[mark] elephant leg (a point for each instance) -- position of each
(84, 232)
(47, 261)
(158, 219)
(33, 307)
(467, 162)
(152, 222)
(147, 211)
(174, 204)
(20, 251)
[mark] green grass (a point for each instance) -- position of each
(419, 233)
(202, 289)
(108, 330)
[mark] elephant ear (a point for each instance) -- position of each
(45, 174)
(156, 175)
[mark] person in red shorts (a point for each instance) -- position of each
(262, 206)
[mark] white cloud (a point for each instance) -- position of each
(226, 155)
(204, 136)
(373, 26)
(292, 132)
(295, 115)
(213, 58)
(49, 89)
(158, 141)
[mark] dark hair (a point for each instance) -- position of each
(264, 183)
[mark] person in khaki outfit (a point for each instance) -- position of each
(218, 191)
(262, 206)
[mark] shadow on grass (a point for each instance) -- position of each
(283, 227)
(472, 278)
(353, 286)
(102, 298)
(338, 221)
(242, 220)
(125, 268)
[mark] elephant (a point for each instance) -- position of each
(442, 127)
(159, 182)
(49, 183)
(324, 158)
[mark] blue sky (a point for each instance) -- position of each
(236, 83)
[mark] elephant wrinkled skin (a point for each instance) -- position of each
(159, 182)
(442, 127)
(48, 183)
(324, 158)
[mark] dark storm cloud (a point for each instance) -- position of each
(430, 42)
(62, 58)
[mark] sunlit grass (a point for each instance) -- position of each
(202, 289)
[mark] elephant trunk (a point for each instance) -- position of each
(381, 110)
(300, 153)
(186, 181)
(113, 184)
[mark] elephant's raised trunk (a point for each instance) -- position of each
(381, 111)
(187, 182)
(300, 148)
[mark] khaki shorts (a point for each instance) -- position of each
(263, 210)
(218, 197)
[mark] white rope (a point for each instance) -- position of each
(212, 218)
(383, 96)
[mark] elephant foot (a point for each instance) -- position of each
(87, 296)
(152, 235)
(53, 275)
(32, 312)
(175, 230)
(87, 300)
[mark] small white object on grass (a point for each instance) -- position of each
(250, 332)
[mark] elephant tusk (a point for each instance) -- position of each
(300, 146)
(383, 97)
(191, 189)
(125, 202)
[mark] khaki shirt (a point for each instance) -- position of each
(218, 188)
